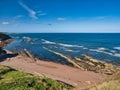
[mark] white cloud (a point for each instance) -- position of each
(31, 12)
(18, 16)
(61, 19)
(42, 14)
(5, 23)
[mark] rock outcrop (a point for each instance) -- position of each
(88, 63)
(91, 64)
(4, 41)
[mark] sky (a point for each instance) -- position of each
(58, 16)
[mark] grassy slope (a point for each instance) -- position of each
(111, 83)
(11, 79)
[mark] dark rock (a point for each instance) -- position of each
(4, 37)
(4, 40)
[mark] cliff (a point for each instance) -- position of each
(4, 40)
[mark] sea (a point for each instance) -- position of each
(101, 46)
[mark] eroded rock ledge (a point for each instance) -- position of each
(88, 63)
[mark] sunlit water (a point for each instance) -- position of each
(104, 47)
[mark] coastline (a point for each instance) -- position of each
(84, 73)
(63, 73)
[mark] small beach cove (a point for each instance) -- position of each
(69, 75)
(81, 73)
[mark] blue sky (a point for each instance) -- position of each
(60, 16)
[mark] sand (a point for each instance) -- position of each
(69, 75)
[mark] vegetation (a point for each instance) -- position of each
(11, 79)
(111, 83)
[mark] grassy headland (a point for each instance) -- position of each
(11, 79)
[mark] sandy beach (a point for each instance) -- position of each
(69, 75)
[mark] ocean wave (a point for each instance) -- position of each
(47, 42)
(102, 48)
(26, 38)
(85, 48)
(95, 50)
(102, 51)
(113, 51)
(111, 54)
(61, 44)
(69, 45)
(118, 48)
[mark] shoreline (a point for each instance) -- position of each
(63, 73)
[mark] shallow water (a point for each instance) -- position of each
(104, 47)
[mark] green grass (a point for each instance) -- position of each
(111, 83)
(11, 79)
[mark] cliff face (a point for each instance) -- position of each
(4, 37)
(4, 40)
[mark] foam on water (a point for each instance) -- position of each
(47, 42)
(102, 49)
(61, 44)
(112, 51)
(68, 45)
(118, 48)
(95, 50)
(99, 46)
(26, 37)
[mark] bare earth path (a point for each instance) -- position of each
(66, 74)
